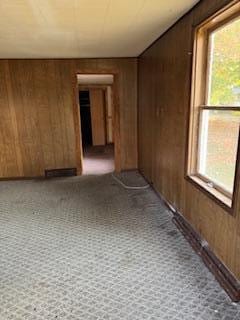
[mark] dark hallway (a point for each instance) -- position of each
(85, 112)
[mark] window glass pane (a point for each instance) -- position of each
(224, 66)
(218, 146)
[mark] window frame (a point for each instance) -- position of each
(199, 102)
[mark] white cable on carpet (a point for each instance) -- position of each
(129, 187)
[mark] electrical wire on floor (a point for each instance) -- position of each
(129, 187)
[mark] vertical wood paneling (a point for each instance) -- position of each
(97, 108)
(9, 149)
(109, 114)
(164, 102)
(37, 120)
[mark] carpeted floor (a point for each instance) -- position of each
(84, 248)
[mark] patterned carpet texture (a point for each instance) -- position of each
(85, 248)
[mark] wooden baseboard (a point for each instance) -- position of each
(52, 173)
(225, 278)
(222, 274)
(21, 178)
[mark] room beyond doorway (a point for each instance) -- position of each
(98, 159)
(97, 124)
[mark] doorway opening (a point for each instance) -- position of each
(97, 113)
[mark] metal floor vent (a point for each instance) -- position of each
(63, 172)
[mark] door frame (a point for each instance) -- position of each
(77, 117)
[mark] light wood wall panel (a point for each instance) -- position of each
(36, 105)
(109, 114)
(97, 108)
(164, 102)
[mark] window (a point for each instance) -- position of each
(215, 116)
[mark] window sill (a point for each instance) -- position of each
(212, 193)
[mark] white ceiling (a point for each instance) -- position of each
(95, 78)
(84, 28)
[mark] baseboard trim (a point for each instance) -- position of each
(223, 275)
(21, 178)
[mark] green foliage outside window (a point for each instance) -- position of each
(225, 66)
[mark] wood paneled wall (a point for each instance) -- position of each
(98, 118)
(164, 102)
(36, 119)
